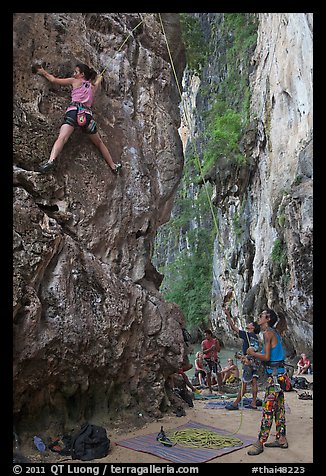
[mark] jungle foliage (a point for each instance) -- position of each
(185, 246)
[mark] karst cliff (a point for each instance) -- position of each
(91, 330)
(93, 333)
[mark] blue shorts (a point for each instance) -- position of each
(250, 371)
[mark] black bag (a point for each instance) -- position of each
(300, 383)
(90, 442)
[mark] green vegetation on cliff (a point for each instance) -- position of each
(222, 63)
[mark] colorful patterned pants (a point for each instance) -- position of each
(273, 408)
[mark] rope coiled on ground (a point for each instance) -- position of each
(200, 438)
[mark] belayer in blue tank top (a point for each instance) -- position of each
(273, 407)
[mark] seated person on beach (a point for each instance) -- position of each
(230, 373)
(303, 365)
(186, 380)
(199, 369)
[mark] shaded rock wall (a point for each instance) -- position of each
(91, 331)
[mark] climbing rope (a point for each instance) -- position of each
(201, 438)
(125, 41)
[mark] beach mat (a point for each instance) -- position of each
(214, 396)
(181, 454)
(222, 403)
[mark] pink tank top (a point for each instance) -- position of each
(83, 94)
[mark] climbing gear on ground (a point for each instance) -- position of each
(162, 438)
(277, 444)
(202, 438)
(117, 169)
(305, 396)
(90, 442)
(47, 167)
(256, 449)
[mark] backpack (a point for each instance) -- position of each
(300, 382)
(90, 442)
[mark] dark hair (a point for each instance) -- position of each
(256, 327)
(89, 73)
(208, 331)
(272, 317)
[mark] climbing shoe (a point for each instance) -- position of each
(47, 167)
(162, 438)
(305, 396)
(117, 169)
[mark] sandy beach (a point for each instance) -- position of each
(299, 434)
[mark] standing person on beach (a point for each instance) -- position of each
(272, 355)
(249, 365)
(84, 82)
(210, 348)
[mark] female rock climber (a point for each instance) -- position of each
(84, 82)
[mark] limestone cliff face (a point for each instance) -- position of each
(270, 258)
(263, 251)
(91, 330)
